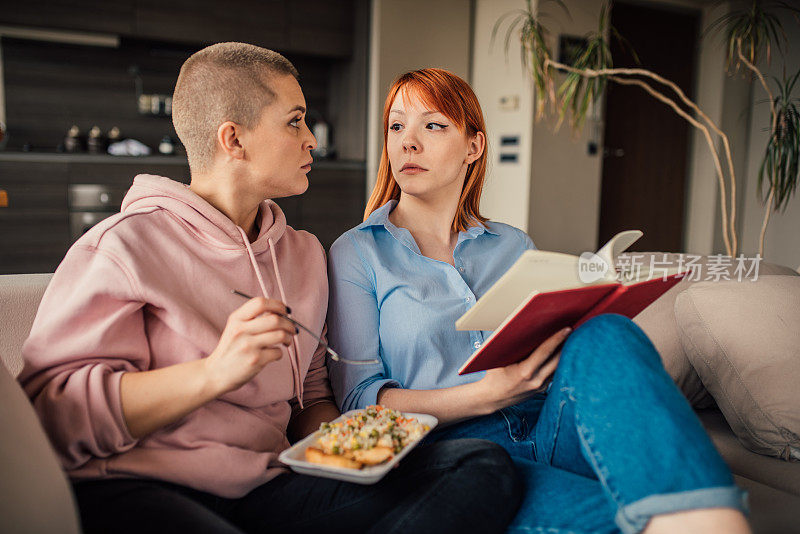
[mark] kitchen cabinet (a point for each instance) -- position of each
(34, 230)
(88, 15)
(321, 28)
(35, 227)
(334, 201)
(313, 27)
(262, 22)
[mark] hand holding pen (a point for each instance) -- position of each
(251, 339)
(334, 355)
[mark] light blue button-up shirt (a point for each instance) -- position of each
(391, 303)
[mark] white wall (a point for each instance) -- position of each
(497, 77)
(408, 35)
(565, 182)
(563, 186)
(782, 243)
(702, 232)
(565, 179)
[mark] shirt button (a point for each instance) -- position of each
(477, 344)
(461, 269)
(466, 299)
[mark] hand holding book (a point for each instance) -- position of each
(509, 385)
(544, 292)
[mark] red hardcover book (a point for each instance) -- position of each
(555, 295)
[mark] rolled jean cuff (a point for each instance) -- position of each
(633, 518)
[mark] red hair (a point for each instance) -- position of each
(445, 92)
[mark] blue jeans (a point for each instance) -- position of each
(611, 444)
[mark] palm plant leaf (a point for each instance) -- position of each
(780, 167)
(758, 28)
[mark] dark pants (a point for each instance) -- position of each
(454, 486)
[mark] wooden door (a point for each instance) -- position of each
(645, 164)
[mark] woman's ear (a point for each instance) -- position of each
(475, 148)
(228, 135)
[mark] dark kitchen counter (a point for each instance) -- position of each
(57, 157)
(35, 226)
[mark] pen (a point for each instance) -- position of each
(334, 355)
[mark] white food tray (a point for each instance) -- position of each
(294, 456)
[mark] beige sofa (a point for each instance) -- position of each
(35, 495)
(773, 484)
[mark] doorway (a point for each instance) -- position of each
(645, 160)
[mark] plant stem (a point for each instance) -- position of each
(763, 83)
(773, 126)
(697, 110)
(671, 103)
(613, 75)
(766, 221)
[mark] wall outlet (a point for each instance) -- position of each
(509, 102)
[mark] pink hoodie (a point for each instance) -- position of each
(151, 287)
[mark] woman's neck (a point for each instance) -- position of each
(226, 198)
(430, 223)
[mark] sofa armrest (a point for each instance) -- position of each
(773, 472)
(36, 496)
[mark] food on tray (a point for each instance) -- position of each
(367, 437)
(315, 455)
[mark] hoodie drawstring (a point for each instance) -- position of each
(298, 382)
(293, 349)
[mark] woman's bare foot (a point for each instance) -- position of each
(703, 521)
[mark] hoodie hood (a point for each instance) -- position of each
(210, 224)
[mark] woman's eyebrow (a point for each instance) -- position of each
(299, 108)
(424, 113)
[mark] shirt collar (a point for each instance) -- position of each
(380, 217)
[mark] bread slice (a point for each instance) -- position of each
(317, 456)
(373, 456)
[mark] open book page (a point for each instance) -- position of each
(534, 271)
(617, 245)
(540, 271)
(628, 270)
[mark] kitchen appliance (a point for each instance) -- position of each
(91, 203)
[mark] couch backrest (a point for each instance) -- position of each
(660, 324)
(36, 496)
(20, 295)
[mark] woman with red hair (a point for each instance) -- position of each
(599, 432)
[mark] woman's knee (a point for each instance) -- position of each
(610, 338)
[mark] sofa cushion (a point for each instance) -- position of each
(658, 320)
(743, 339)
(36, 496)
(773, 472)
(20, 295)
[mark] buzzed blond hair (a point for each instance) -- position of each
(222, 82)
